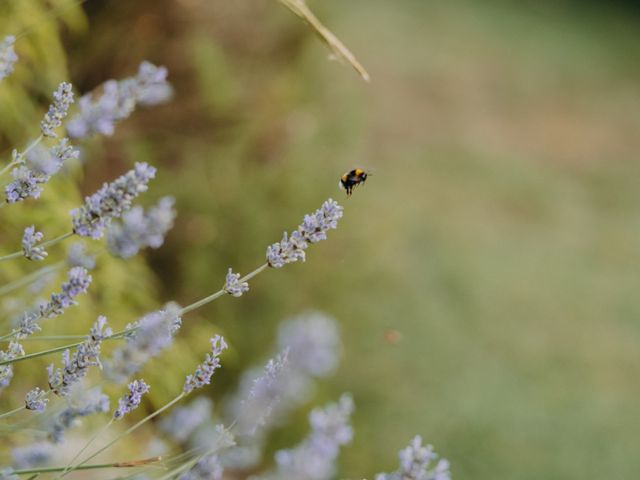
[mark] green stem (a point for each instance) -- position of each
(9, 287)
(13, 163)
(59, 239)
(134, 427)
(11, 412)
(132, 464)
(69, 466)
(221, 292)
(45, 244)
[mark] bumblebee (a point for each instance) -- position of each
(352, 179)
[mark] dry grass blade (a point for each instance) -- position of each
(299, 7)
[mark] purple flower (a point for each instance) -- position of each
(6, 371)
(183, 421)
(28, 324)
(313, 342)
(76, 367)
(62, 99)
(26, 183)
(8, 56)
(36, 400)
(77, 257)
(34, 455)
(416, 463)
(149, 336)
(265, 393)
(78, 282)
(151, 87)
(29, 240)
(233, 286)
(99, 113)
(206, 369)
(313, 229)
(140, 229)
(111, 201)
(86, 403)
(131, 400)
(40, 161)
(315, 457)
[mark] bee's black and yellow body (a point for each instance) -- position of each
(352, 179)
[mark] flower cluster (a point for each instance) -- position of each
(76, 367)
(78, 282)
(14, 350)
(36, 400)
(30, 239)
(62, 100)
(36, 168)
(314, 458)
(233, 285)
(99, 113)
(147, 338)
(417, 463)
(26, 183)
(33, 455)
(131, 400)
(313, 229)
(313, 342)
(88, 403)
(139, 229)
(28, 324)
(265, 393)
(206, 369)
(47, 162)
(8, 56)
(266, 396)
(111, 201)
(77, 257)
(183, 421)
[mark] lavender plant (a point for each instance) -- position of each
(8, 56)
(213, 443)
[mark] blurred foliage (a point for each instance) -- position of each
(486, 275)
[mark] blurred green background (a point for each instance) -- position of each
(485, 279)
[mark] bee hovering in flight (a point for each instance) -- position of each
(352, 179)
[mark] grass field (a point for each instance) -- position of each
(499, 234)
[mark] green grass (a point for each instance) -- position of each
(499, 235)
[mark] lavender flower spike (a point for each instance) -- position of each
(149, 336)
(315, 457)
(265, 394)
(79, 281)
(416, 464)
(82, 403)
(206, 369)
(111, 201)
(119, 98)
(26, 183)
(233, 286)
(62, 99)
(140, 229)
(131, 400)
(29, 240)
(76, 367)
(8, 56)
(36, 400)
(6, 371)
(33, 455)
(313, 229)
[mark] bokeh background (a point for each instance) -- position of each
(485, 279)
